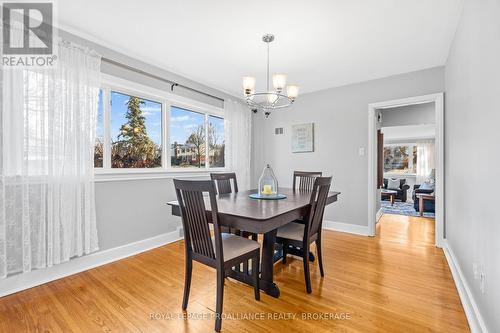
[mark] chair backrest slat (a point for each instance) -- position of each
(319, 196)
(194, 216)
(305, 179)
(223, 181)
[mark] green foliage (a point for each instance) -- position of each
(134, 148)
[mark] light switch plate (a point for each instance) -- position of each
(361, 151)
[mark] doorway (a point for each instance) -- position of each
(375, 181)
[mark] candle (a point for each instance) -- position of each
(267, 189)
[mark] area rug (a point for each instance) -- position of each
(402, 208)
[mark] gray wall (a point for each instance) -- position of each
(472, 151)
(133, 210)
(340, 117)
(418, 114)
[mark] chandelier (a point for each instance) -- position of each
(281, 96)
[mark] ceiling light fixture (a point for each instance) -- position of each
(282, 96)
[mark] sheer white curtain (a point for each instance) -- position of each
(47, 204)
(425, 160)
(238, 134)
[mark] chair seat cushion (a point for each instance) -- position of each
(234, 246)
(294, 231)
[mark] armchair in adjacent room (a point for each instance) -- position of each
(401, 188)
(427, 188)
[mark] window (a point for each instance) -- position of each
(400, 158)
(216, 141)
(99, 137)
(135, 132)
(143, 130)
(190, 133)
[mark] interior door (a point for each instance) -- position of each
(380, 159)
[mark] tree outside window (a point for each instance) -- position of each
(135, 132)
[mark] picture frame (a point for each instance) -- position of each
(303, 138)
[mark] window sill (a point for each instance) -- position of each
(389, 174)
(146, 174)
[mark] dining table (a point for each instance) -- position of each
(260, 216)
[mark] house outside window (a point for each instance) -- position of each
(136, 124)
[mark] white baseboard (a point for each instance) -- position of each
(34, 278)
(379, 215)
(476, 322)
(346, 227)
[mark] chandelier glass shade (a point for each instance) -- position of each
(281, 96)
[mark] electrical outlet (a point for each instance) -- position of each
(361, 151)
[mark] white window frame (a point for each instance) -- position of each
(111, 83)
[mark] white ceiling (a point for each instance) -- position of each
(320, 44)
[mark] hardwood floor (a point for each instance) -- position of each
(395, 282)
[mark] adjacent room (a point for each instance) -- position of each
(408, 160)
(225, 166)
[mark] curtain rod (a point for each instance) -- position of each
(172, 83)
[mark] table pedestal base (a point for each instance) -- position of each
(293, 251)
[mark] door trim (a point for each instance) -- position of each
(438, 100)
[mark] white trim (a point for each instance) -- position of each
(160, 174)
(35, 278)
(395, 174)
(146, 175)
(476, 322)
(379, 214)
(356, 229)
(372, 157)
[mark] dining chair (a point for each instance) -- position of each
(222, 251)
(305, 179)
(223, 186)
(223, 181)
(303, 235)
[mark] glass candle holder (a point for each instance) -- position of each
(268, 184)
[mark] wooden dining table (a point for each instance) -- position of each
(239, 211)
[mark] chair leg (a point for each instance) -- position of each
(220, 298)
(255, 273)
(320, 257)
(187, 282)
(307, 276)
(285, 246)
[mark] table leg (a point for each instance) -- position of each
(392, 199)
(421, 206)
(267, 263)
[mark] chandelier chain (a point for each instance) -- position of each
(268, 68)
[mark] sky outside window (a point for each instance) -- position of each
(150, 110)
